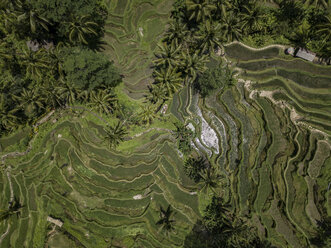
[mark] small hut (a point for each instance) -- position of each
(305, 54)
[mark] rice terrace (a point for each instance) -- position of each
(165, 123)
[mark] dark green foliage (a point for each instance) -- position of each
(115, 134)
(220, 228)
(61, 13)
(213, 79)
(88, 70)
(209, 81)
(184, 136)
(165, 221)
(323, 234)
(194, 167)
(13, 209)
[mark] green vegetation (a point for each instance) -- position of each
(129, 123)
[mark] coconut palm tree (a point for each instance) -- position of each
(7, 15)
(192, 64)
(231, 27)
(167, 54)
(165, 221)
(317, 3)
(147, 114)
(169, 78)
(25, 14)
(210, 179)
(221, 8)
(324, 30)
(8, 119)
(115, 134)
(156, 93)
(194, 166)
(102, 101)
(52, 93)
(177, 31)
(302, 35)
(80, 28)
(30, 101)
(68, 91)
(252, 18)
(34, 63)
(208, 35)
(199, 10)
(14, 208)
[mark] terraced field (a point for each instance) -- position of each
(102, 197)
(133, 29)
(273, 140)
(269, 134)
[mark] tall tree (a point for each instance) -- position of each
(209, 36)
(102, 101)
(169, 78)
(231, 27)
(147, 114)
(167, 54)
(192, 63)
(199, 10)
(26, 14)
(13, 209)
(81, 28)
(210, 179)
(165, 221)
(115, 134)
(324, 29)
(35, 63)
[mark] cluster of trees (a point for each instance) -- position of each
(49, 59)
(198, 26)
(220, 227)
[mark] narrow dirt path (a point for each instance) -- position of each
(255, 49)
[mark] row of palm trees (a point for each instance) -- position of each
(198, 26)
(20, 15)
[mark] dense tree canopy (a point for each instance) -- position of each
(88, 70)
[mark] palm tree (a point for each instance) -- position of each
(210, 179)
(102, 101)
(194, 166)
(167, 54)
(115, 134)
(8, 119)
(80, 28)
(35, 63)
(208, 35)
(27, 15)
(302, 35)
(68, 91)
(317, 3)
(231, 27)
(221, 7)
(14, 208)
(252, 18)
(165, 221)
(324, 30)
(52, 93)
(7, 15)
(169, 78)
(177, 31)
(57, 58)
(199, 10)
(192, 64)
(147, 114)
(31, 101)
(156, 93)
